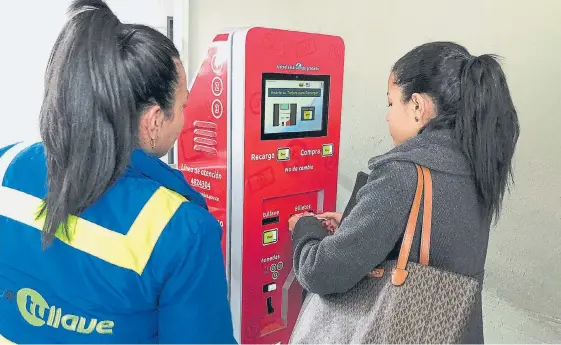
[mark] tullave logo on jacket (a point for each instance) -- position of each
(37, 312)
(298, 67)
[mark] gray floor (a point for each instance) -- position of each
(506, 323)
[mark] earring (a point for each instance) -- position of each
(416, 119)
(153, 143)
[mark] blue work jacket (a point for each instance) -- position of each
(143, 264)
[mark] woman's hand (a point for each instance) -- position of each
(295, 218)
(330, 220)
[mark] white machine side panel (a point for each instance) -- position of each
(229, 164)
(237, 93)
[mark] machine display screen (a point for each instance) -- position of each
(294, 106)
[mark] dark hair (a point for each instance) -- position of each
(100, 77)
(472, 98)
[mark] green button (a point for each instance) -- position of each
(327, 150)
(283, 154)
(270, 237)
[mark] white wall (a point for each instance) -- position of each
(28, 31)
(522, 295)
(148, 12)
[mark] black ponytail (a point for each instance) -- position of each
(487, 128)
(473, 99)
(100, 76)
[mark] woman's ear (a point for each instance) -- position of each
(423, 108)
(150, 124)
(152, 120)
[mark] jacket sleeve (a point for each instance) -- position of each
(193, 305)
(334, 264)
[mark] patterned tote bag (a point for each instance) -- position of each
(399, 302)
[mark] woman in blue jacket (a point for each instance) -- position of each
(101, 242)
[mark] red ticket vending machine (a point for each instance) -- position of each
(261, 142)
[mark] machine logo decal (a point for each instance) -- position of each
(298, 67)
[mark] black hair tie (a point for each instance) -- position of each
(127, 38)
(472, 59)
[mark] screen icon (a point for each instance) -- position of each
(307, 113)
(327, 150)
(270, 237)
(283, 154)
(284, 114)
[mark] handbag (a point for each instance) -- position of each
(399, 302)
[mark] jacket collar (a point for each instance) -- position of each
(146, 165)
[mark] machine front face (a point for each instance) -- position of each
(286, 115)
(261, 143)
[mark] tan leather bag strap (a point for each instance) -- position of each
(427, 217)
(424, 188)
(399, 274)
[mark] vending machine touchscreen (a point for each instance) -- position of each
(294, 106)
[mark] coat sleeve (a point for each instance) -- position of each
(334, 264)
(193, 305)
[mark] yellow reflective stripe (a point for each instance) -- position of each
(131, 251)
(150, 222)
(4, 340)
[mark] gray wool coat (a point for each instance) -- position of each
(373, 229)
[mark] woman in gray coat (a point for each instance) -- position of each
(452, 113)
